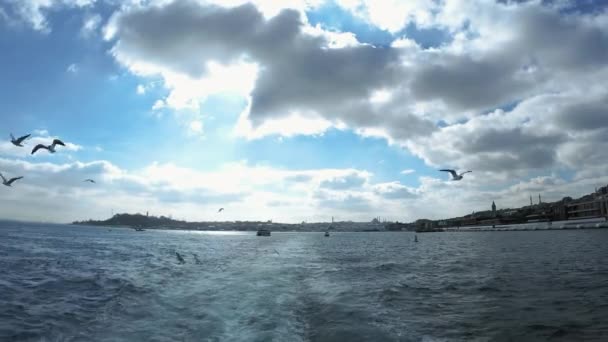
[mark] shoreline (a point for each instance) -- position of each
(470, 229)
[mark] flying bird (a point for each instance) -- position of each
(221, 209)
(10, 181)
(89, 180)
(17, 142)
(50, 148)
(455, 176)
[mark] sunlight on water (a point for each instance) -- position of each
(210, 232)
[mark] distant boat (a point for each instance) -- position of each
(331, 226)
(263, 232)
(139, 229)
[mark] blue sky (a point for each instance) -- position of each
(417, 86)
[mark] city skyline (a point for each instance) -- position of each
(300, 110)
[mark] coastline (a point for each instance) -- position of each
(538, 226)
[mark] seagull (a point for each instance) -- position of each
(50, 148)
(455, 176)
(89, 180)
(221, 209)
(10, 181)
(17, 142)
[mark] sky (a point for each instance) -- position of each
(300, 110)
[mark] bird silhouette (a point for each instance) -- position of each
(9, 182)
(455, 176)
(50, 148)
(20, 140)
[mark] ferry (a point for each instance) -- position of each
(263, 232)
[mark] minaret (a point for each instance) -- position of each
(531, 204)
(539, 200)
(494, 208)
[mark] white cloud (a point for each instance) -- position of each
(392, 15)
(158, 105)
(90, 25)
(394, 191)
(72, 68)
(141, 90)
(407, 171)
(196, 127)
(294, 124)
(252, 192)
(33, 12)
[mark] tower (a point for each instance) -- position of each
(539, 200)
(531, 204)
(493, 208)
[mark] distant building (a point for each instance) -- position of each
(493, 209)
(583, 209)
(424, 224)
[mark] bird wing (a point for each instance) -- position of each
(10, 181)
(465, 172)
(58, 142)
(20, 140)
(3, 179)
(37, 147)
(450, 171)
(12, 137)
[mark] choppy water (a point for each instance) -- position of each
(65, 283)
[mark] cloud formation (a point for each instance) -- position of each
(501, 95)
(503, 62)
(33, 12)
